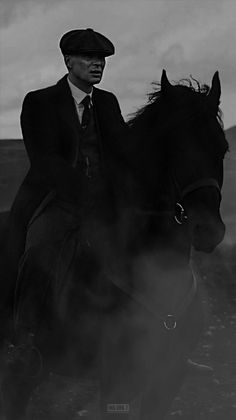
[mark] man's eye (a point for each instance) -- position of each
(87, 57)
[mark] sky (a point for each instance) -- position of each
(185, 37)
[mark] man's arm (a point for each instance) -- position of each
(125, 142)
(42, 141)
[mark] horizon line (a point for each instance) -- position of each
(21, 138)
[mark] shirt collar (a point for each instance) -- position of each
(77, 93)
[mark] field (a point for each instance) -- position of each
(13, 167)
(213, 396)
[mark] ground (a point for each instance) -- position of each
(213, 396)
(210, 396)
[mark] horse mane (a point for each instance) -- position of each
(192, 94)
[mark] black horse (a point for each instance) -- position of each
(119, 303)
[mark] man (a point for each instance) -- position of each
(72, 132)
(67, 140)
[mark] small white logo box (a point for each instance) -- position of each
(117, 408)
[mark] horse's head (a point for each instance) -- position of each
(196, 146)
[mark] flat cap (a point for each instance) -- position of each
(82, 41)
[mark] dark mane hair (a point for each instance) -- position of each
(188, 84)
(190, 96)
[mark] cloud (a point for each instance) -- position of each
(9, 124)
(16, 10)
(184, 36)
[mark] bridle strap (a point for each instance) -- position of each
(205, 182)
(180, 215)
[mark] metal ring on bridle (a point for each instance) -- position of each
(170, 322)
(180, 215)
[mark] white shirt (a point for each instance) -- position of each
(78, 96)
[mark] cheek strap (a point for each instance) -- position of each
(205, 182)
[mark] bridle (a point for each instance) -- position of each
(180, 213)
(204, 182)
(169, 321)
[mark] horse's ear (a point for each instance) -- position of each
(165, 84)
(215, 91)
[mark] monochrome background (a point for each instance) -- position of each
(186, 37)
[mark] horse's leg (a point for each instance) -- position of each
(16, 391)
(163, 389)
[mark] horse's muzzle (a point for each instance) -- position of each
(206, 236)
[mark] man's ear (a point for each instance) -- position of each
(67, 60)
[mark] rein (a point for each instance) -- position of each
(169, 321)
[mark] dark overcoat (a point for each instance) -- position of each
(51, 134)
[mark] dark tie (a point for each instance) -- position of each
(87, 112)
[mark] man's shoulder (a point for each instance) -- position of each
(43, 91)
(48, 91)
(105, 96)
(104, 93)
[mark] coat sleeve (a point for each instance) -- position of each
(124, 142)
(41, 136)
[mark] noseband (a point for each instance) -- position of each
(205, 182)
(180, 213)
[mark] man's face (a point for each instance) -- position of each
(86, 68)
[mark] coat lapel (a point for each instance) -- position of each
(98, 123)
(67, 112)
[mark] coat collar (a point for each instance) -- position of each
(67, 110)
(63, 88)
(65, 104)
(77, 93)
